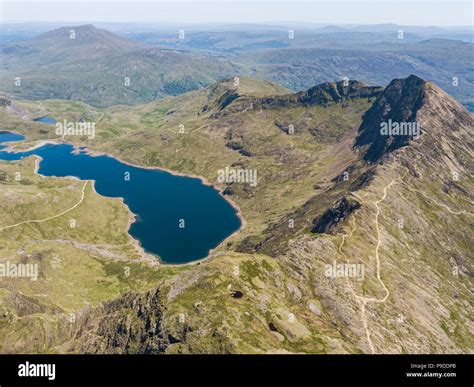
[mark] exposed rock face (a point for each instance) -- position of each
(335, 215)
(227, 98)
(323, 94)
(5, 102)
(25, 305)
(414, 103)
(128, 324)
(399, 103)
(331, 92)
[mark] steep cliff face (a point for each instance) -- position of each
(395, 108)
(128, 324)
(405, 201)
(334, 215)
(331, 92)
(324, 94)
(413, 110)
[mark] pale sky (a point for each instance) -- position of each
(403, 12)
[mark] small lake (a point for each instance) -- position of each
(162, 201)
(46, 120)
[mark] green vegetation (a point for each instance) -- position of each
(265, 289)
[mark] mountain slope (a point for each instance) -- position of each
(403, 216)
(407, 229)
(102, 69)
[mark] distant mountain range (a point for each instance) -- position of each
(94, 67)
(102, 68)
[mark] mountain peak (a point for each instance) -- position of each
(82, 40)
(82, 27)
(396, 106)
(393, 120)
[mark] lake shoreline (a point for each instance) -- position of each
(132, 218)
(144, 256)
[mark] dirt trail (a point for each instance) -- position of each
(51, 217)
(362, 300)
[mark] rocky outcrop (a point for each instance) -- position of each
(409, 109)
(398, 105)
(324, 94)
(128, 324)
(25, 305)
(334, 216)
(5, 102)
(227, 98)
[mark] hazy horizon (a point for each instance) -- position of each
(422, 13)
(283, 23)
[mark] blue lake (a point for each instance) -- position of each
(162, 201)
(46, 120)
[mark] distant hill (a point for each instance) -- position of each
(72, 43)
(96, 65)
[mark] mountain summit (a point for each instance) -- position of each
(66, 44)
(395, 117)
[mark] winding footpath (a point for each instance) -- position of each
(363, 300)
(40, 111)
(51, 217)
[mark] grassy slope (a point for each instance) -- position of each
(427, 311)
(78, 267)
